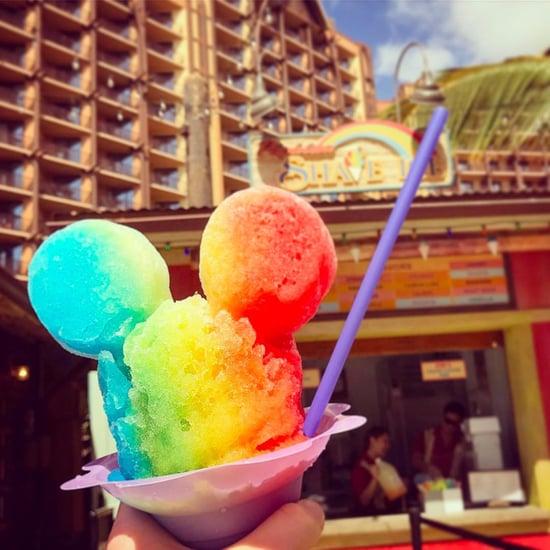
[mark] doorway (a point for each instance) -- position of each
(389, 390)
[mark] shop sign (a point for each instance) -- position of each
(452, 369)
(358, 157)
(418, 284)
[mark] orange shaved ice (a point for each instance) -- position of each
(205, 393)
(266, 255)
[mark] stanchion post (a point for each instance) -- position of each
(414, 521)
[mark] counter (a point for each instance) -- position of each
(367, 532)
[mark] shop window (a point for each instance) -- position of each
(392, 391)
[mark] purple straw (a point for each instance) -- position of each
(374, 271)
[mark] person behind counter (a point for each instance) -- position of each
(438, 452)
(376, 485)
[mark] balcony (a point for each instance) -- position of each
(112, 199)
(296, 35)
(122, 94)
(240, 169)
(166, 178)
(163, 118)
(16, 103)
(71, 41)
(12, 219)
(161, 57)
(69, 190)
(13, 54)
(70, 7)
(235, 146)
(298, 61)
(65, 150)
(12, 133)
(15, 182)
(166, 145)
(120, 129)
(64, 112)
(120, 61)
(160, 26)
(231, 33)
(14, 17)
(121, 29)
(119, 165)
(10, 258)
(164, 80)
(230, 60)
(66, 77)
(12, 177)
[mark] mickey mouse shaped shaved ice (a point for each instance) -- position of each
(202, 381)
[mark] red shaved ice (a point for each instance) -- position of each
(266, 255)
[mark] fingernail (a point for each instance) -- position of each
(313, 509)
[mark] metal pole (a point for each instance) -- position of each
(407, 47)
(416, 529)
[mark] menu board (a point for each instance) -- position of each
(414, 283)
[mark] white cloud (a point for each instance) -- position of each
(463, 32)
(411, 66)
(492, 30)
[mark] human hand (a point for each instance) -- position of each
(372, 468)
(294, 526)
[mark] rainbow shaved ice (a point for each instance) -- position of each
(202, 381)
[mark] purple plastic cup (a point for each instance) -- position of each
(215, 507)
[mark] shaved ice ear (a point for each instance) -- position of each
(93, 281)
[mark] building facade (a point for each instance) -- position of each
(115, 104)
(139, 112)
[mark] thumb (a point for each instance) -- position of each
(135, 530)
(294, 526)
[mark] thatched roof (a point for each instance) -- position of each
(501, 106)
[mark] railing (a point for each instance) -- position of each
(162, 48)
(70, 113)
(238, 82)
(112, 200)
(416, 520)
(66, 190)
(66, 150)
(16, 18)
(123, 131)
(121, 95)
(10, 220)
(12, 134)
(13, 94)
(120, 165)
(295, 34)
(237, 54)
(233, 26)
(168, 179)
(12, 178)
(72, 7)
(164, 80)
(120, 61)
(120, 29)
(166, 145)
(237, 109)
(13, 54)
(164, 19)
(239, 140)
(296, 59)
(163, 110)
(64, 39)
(238, 169)
(66, 76)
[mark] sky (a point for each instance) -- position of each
(454, 33)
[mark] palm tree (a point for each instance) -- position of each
(500, 106)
